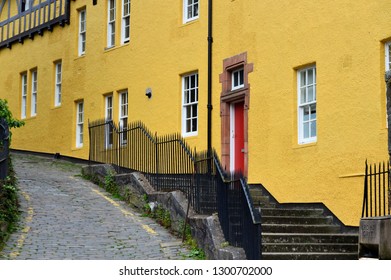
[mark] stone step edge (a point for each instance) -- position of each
(308, 234)
(308, 253)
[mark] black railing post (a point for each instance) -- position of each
(157, 160)
(376, 190)
(4, 148)
(89, 140)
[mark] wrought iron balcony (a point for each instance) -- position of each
(32, 20)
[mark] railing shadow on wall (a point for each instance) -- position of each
(376, 190)
(35, 20)
(170, 164)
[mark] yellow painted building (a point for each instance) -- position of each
(302, 80)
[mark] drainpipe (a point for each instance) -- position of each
(388, 83)
(210, 107)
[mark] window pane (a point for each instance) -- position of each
(236, 79)
(194, 125)
(313, 128)
(193, 95)
(306, 130)
(313, 112)
(310, 76)
(186, 86)
(310, 94)
(195, 10)
(194, 111)
(306, 113)
(302, 96)
(302, 78)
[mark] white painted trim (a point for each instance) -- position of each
(79, 124)
(107, 132)
(34, 92)
(111, 24)
(123, 116)
(184, 118)
(82, 33)
(232, 137)
(387, 46)
(185, 6)
(300, 111)
(24, 96)
(241, 85)
(124, 39)
(58, 84)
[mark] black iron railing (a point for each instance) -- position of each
(376, 190)
(240, 221)
(170, 164)
(41, 16)
(4, 148)
(167, 161)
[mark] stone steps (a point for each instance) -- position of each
(300, 228)
(301, 232)
(300, 220)
(327, 238)
(309, 256)
(309, 247)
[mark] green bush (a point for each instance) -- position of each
(6, 114)
(9, 205)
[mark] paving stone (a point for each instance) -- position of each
(67, 217)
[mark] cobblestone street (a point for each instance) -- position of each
(65, 217)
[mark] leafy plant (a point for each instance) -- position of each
(195, 251)
(111, 186)
(158, 213)
(7, 115)
(9, 205)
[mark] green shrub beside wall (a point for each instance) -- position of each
(9, 205)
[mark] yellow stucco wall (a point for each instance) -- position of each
(344, 39)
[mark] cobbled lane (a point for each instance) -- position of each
(65, 217)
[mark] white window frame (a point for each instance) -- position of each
(237, 79)
(111, 17)
(34, 92)
(387, 62)
(307, 103)
(125, 32)
(82, 31)
(58, 82)
(79, 123)
(387, 49)
(24, 95)
(123, 114)
(191, 10)
(25, 5)
(190, 105)
(109, 117)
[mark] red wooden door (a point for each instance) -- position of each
(239, 136)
